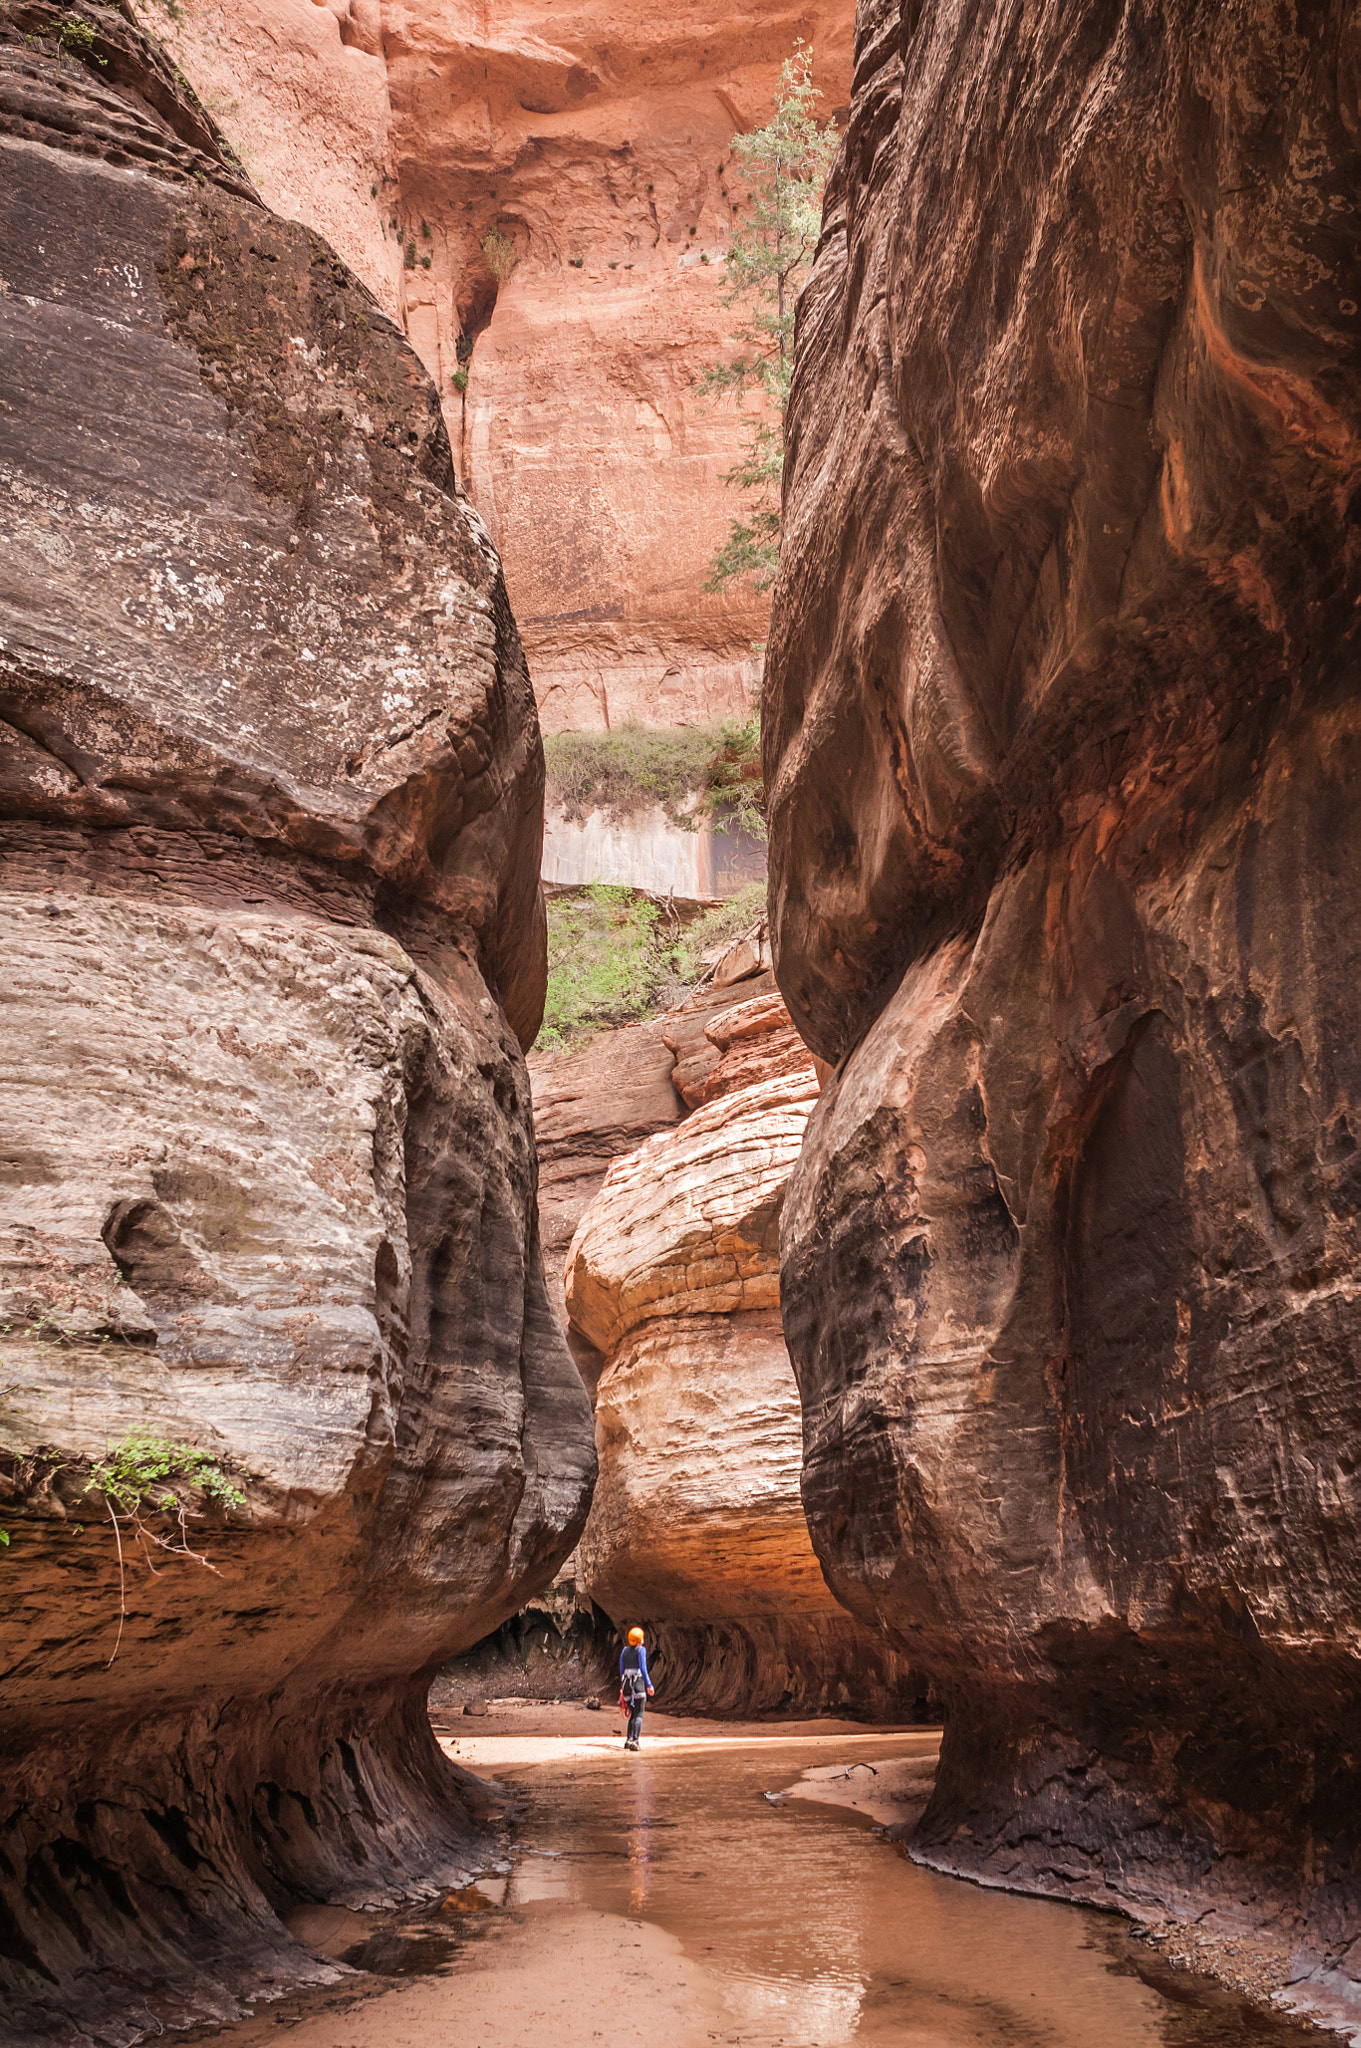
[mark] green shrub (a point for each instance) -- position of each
(78, 38)
(623, 771)
(733, 787)
(148, 1474)
(605, 962)
(613, 956)
(501, 254)
(460, 380)
(694, 772)
(719, 927)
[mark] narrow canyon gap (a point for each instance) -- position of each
(270, 815)
(1061, 744)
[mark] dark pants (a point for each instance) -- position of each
(635, 1720)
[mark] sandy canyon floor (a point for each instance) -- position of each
(670, 1897)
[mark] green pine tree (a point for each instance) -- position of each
(769, 258)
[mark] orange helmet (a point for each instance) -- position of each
(635, 1635)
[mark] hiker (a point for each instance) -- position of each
(635, 1687)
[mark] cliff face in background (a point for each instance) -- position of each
(270, 804)
(672, 1287)
(597, 142)
(1062, 751)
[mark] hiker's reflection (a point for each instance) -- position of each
(640, 1852)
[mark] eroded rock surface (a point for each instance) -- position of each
(271, 795)
(1062, 753)
(697, 1529)
(594, 141)
(599, 1103)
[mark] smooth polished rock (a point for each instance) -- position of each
(1061, 734)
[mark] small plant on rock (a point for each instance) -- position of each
(148, 1475)
(501, 254)
(77, 39)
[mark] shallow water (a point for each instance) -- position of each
(662, 1896)
(823, 1934)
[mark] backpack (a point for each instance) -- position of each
(632, 1685)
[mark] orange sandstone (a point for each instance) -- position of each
(596, 141)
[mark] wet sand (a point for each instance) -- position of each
(666, 1894)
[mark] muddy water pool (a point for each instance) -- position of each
(663, 1896)
(824, 1934)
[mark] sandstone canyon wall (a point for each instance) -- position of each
(595, 139)
(697, 1529)
(1062, 751)
(270, 805)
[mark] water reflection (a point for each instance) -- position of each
(638, 1850)
(824, 1936)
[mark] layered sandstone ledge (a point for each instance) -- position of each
(697, 1529)
(599, 1104)
(596, 142)
(270, 805)
(1062, 752)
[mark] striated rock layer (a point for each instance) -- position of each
(594, 141)
(1062, 748)
(697, 1529)
(599, 1103)
(270, 805)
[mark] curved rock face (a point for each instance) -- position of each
(697, 1529)
(271, 792)
(595, 142)
(1062, 749)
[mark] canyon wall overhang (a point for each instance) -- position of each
(270, 812)
(1061, 739)
(595, 143)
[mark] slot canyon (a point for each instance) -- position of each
(930, 1310)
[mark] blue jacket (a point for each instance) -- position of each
(634, 1658)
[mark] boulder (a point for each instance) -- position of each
(1062, 743)
(285, 1417)
(599, 1102)
(753, 1041)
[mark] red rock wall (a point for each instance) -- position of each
(1062, 745)
(270, 803)
(597, 139)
